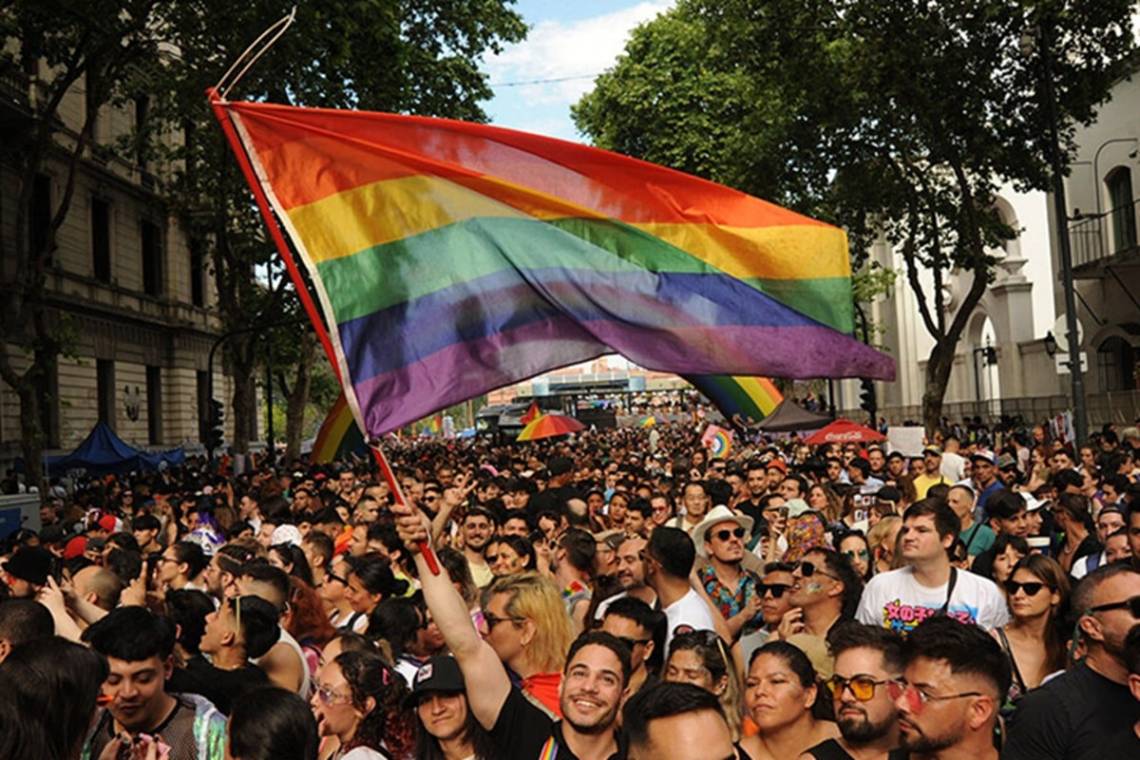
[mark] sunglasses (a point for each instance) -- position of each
(724, 535)
(493, 620)
(631, 642)
(862, 687)
(1032, 588)
(808, 569)
(852, 554)
(917, 699)
(1132, 605)
(777, 589)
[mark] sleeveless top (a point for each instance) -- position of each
(306, 680)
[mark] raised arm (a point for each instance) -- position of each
(487, 683)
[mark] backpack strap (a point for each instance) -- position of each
(949, 591)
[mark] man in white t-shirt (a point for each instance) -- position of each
(901, 599)
(669, 558)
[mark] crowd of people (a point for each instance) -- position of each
(618, 594)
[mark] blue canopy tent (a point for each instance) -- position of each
(104, 452)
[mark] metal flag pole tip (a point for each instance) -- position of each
(252, 53)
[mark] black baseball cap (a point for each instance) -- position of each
(31, 564)
(439, 674)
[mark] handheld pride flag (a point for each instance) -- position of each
(717, 440)
(450, 259)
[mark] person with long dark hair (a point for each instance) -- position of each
(1038, 596)
(360, 701)
(370, 581)
(271, 723)
(446, 728)
(48, 691)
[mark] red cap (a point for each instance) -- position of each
(75, 547)
(778, 464)
(107, 523)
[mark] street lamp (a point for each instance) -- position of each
(1050, 344)
(1060, 211)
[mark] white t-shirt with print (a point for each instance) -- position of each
(896, 600)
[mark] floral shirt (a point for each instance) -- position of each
(731, 601)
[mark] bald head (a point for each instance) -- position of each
(99, 586)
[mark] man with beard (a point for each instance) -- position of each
(720, 540)
(1068, 717)
(630, 574)
(867, 659)
(477, 528)
(955, 680)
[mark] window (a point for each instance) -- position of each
(151, 259)
(203, 404)
(1122, 209)
(197, 273)
(49, 407)
(39, 220)
(105, 390)
(1116, 365)
(154, 405)
(142, 111)
(101, 238)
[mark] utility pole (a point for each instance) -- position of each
(1061, 212)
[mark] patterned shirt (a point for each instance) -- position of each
(730, 602)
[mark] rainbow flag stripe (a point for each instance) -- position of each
(338, 436)
(753, 398)
(453, 258)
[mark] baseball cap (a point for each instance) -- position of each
(108, 523)
(439, 674)
(985, 456)
(777, 464)
(1006, 462)
(934, 450)
(31, 564)
(75, 547)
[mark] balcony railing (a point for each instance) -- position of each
(1096, 238)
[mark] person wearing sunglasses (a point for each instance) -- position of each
(825, 591)
(360, 704)
(641, 628)
(953, 684)
(857, 550)
(720, 540)
(867, 660)
(1070, 715)
(1034, 641)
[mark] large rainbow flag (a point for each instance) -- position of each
(452, 258)
(753, 398)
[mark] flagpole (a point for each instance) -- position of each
(217, 103)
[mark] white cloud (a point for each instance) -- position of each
(555, 50)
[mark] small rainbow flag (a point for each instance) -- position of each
(452, 258)
(717, 440)
(649, 421)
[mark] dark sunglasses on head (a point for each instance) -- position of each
(777, 589)
(1032, 588)
(724, 535)
(1132, 605)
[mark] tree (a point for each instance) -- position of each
(60, 49)
(892, 117)
(417, 56)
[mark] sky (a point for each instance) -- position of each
(568, 41)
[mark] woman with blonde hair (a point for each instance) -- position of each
(823, 499)
(882, 538)
(525, 622)
(702, 659)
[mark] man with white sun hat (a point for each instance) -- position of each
(721, 538)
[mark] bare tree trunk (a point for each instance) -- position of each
(31, 436)
(243, 363)
(298, 398)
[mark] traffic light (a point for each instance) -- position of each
(215, 430)
(867, 397)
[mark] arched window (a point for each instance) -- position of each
(1122, 208)
(1116, 365)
